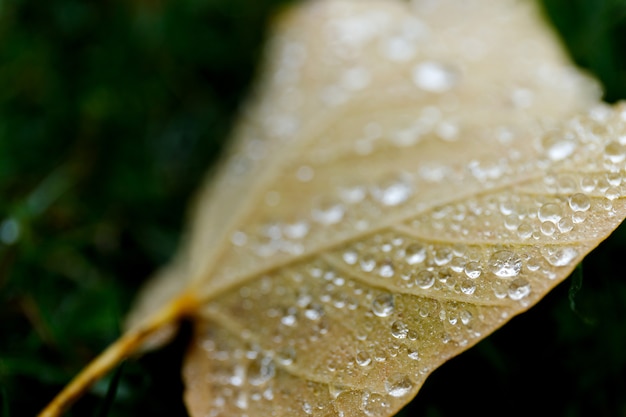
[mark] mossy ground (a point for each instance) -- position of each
(110, 114)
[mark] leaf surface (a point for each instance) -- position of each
(407, 178)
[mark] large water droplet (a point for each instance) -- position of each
(547, 228)
(558, 146)
(399, 329)
(398, 385)
(566, 225)
(443, 256)
(525, 231)
(560, 256)
(383, 305)
(473, 270)
(519, 289)
(550, 212)
(415, 253)
(615, 152)
(363, 358)
(261, 370)
(434, 77)
(425, 279)
(468, 287)
(505, 264)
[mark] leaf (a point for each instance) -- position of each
(407, 178)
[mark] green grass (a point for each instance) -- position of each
(111, 112)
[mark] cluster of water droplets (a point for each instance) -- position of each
(452, 271)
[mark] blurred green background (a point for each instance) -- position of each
(111, 112)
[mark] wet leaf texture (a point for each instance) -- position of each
(406, 178)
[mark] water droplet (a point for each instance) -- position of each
(386, 269)
(242, 400)
(415, 253)
(518, 289)
(261, 370)
(547, 228)
(443, 256)
(413, 354)
(296, 230)
(335, 390)
(525, 231)
(399, 329)
(558, 146)
(238, 377)
(393, 191)
(328, 214)
(565, 225)
(289, 320)
(612, 193)
(305, 173)
(560, 256)
(579, 217)
(374, 404)
(286, 356)
(367, 263)
(398, 385)
(615, 152)
(579, 202)
(239, 238)
(473, 270)
(314, 312)
(505, 264)
(425, 279)
(383, 305)
(550, 213)
(512, 222)
(466, 317)
(468, 287)
(588, 184)
(434, 77)
(352, 195)
(614, 178)
(363, 358)
(350, 257)
(457, 264)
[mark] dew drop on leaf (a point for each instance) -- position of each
(505, 264)
(363, 358)
(399, 329)
(398, 385)
(415, 253)
(550, 212)
(425, 279)
(558, 146)
(383, 305)
(519, 288)
(560, 256)
(434, 77)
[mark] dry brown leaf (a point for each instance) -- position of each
(408, 178)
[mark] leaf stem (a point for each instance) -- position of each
(126, 345)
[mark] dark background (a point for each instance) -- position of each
(111, 112)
